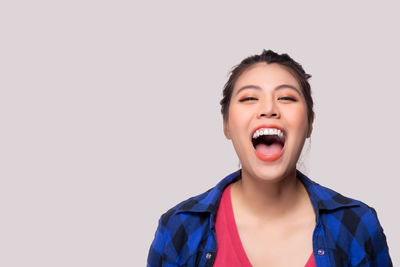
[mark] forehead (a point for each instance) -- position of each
(266, 76)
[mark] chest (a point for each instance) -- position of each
(246, 240)
(284, 244)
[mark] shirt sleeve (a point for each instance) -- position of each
(376, 246)
(154, 258)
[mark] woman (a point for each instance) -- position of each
(268, 213)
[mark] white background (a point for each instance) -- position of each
(109, 114)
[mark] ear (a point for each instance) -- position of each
(310, 127)
(226, 130)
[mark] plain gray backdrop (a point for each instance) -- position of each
(109, 114)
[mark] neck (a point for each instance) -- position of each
(268, 199)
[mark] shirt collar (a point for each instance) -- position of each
(209, 201)
(322, 198)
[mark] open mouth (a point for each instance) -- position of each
(268, 143)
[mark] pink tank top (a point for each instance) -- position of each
(230, 250)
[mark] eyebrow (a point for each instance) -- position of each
(281, 86)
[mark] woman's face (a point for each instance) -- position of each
(267, 121)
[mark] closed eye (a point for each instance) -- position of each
(247, 99)
(288, 98)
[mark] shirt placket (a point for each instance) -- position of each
(320, 248)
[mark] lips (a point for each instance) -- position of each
(268, 142)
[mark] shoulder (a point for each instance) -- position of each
(192, 207)
(352, 228)
(183, 228)
(206, 202)
(356, 234)
(179, 232)
(350, 213)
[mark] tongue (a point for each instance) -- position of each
(272, 149)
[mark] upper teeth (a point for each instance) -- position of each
(268, 131)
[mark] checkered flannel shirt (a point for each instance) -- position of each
(347, 231)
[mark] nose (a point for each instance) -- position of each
(268, 109)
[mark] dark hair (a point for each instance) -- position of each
(268, 56)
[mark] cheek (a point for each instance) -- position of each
(297, 118)
(234, 119)
(238, 124)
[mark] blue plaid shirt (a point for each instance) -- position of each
(347, 231)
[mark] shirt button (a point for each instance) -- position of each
(208, 256)
(321, 252)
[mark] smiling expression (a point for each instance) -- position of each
(267, 121)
